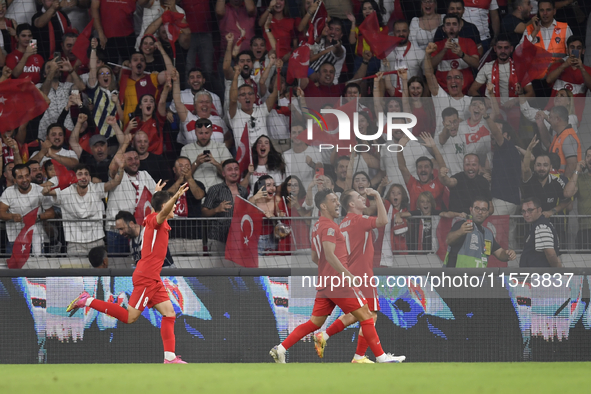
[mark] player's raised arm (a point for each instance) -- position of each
(169, 205)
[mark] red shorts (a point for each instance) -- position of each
(373, 299)
(147, 293)
(324, 305)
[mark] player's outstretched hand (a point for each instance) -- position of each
(160, 185)
(181, 190)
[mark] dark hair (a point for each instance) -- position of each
(336, 21)
(353, 85)
(257, 37)
(229, 161)
(275, 160)
(9, 162)
(159, 199)
(51, 126)
(81, 166)
(262, 181)
(126, 216)
(572, 39)
(320, 197)
(346, 197)
(477, 98)
(142, 42)
(301, 193)
(561, 112)
(372, 128)
(504, 37)
(69, 34)
(547, 1)
(341, 158)
(449, 111)
(399, 21)
(451, 16)
(480, 198)
(246, 52)
(182, 157)
(405, 199)
(137, 53)
(22, 27)
(19, 167)
(195, 69)
(360, 18)
(46, 165)
(325, 63)
(298, 123)
(97, 255)
(424, 158)
(535, 200)
(586, 151)
(138, 111)
(554, 160)
(30, 162)
(360, 173)
(456, 1)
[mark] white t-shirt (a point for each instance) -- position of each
(259, 171)
(62, 152)
(442, 100)
(188, 98)
(187, 134)
(296, 163)
(207, 173)
(22, 11)
(485, 76)
(413, 61)
(479, 17)
(22, 204)
(277, 124)
(241, 82)
(477, 138)
(453, 152)
(126, 196)
(90, 206)
(258, 119)
(419, 36)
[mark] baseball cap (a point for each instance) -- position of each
(97, 138)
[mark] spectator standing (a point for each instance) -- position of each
(113, 20)
(422, 29)
(53, 148)
(478, 12)
(541, 245)
(153, 164)
(467, 29)
(579, 186)
(24, 60)
(237, 12)
(516, 22)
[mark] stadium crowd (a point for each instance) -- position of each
(161, 91)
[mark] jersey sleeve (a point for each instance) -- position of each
(152, 222)
(328, 234)
(368, 223)
(11, 61)
(471, 48)
(544, 238)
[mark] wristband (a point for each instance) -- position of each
(364, 62)
(268, 30)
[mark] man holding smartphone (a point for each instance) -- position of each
(570, 73)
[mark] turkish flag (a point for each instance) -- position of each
(243, 237)
(380, 43)
(173, 23)
(531, 62)
(20, 101)
(328, 130)
(80, 48)
(143, 208)
(298, 65)
(317, 24)
(243, 151)
(21, 250)
(499, 225)
(65, 177)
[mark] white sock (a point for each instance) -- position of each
(281, 349)
(357, 357)
(325, 335)
(89, 300)
(169, 356)
(381, 358)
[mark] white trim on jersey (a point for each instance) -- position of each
(137, 306)
(153, 240)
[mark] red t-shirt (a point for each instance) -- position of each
(32, 68)
(153, 127)
(154, 247)
(324, 91)
(435, 187)
(198, 15)
(284, 32)
(451, 60)
(357, 230)
(326, 230)
(117, 17)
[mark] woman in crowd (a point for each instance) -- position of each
(356, 38)
(264, 198)
(396, 203)
(154, 61)
(282, 27)
(7, 32)
(414, 102)
(289, 203)
(268, 161)
(150, 119)
(422, 30)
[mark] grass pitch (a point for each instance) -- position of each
(456, 378)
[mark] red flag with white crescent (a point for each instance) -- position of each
(143, 208)
(21, 250)
(243, 237)
(243, 151)
(298, 65)
(173, 23)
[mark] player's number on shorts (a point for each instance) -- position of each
(347, 242)
(145, 302)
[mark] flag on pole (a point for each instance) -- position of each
(243, 152)
(21, 250)
(243, 237)
(298, 65)
(65, 177)
(80, 48)
(144, 207)
(173, 24)
(20, 101)
(317, 23)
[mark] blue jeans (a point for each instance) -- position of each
(117, 243)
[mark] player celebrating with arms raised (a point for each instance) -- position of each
(357, 230)
(148, 289)
(329, 251)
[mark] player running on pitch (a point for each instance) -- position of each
(148, 289)
(357, 230)
(329, 251)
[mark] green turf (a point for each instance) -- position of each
(456, 378)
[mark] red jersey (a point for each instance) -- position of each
(573, 81)
(153, 128)
(117, 17)
(435, 187)
(32, 67)
(326, 230)
(451, 60)
(357, 230)
(154, 247)
(284, 32)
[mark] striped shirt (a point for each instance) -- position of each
(544, 238)
(329, 57)
(103, 107)
(216, 194)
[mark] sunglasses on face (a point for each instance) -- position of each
(203, 124)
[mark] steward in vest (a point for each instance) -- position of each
(470, 244)
(566, 142)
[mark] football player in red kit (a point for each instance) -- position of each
(148, 289)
